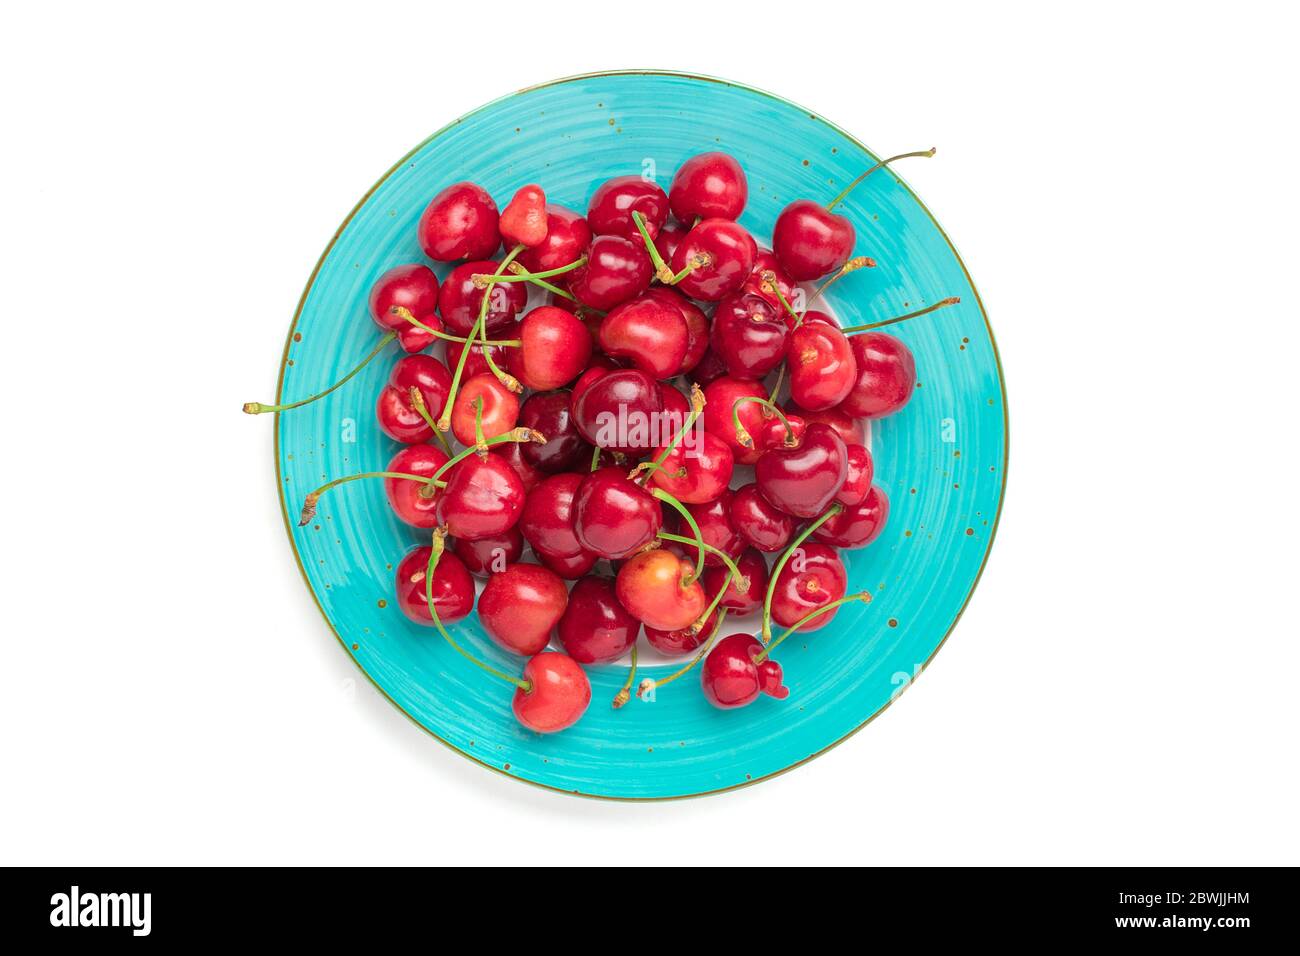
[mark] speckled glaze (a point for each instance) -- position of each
(942, 460)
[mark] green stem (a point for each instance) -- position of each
(483, 280)
(434, 556)
(650, 683)
(257, 408)
(480, 442)
(515, 434)
(742, 433)
(833, 510)
(853, 265)
(776, 389)
(863, 596)
(625, 692)
(884, 162)
(716, 552)
(951, 300)
(523, 273)
(770, 278)
(695, 529)
(595, 457)
(404, 314)
(662, 272)
(422, 408)
(697, 407)
(309, 503)
(700, 260)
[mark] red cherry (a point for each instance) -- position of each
(610, 211)
(483, 498)
(741, 597)
(822, 367)
(757, 282)
(813, 577)
(653, 587)
(554, 348)
(490, 555)
(716, 530)
(707, 186)
(523, 222)
(547, 521)
(730, 678)
(475, 363)
(697, 325)
(684, 639)
(412, 501)
(511, 453)
(558, 693)
(676, 407)
(776, 433)
(551, 413)
(415, 289)
(669, 237)
(885, 379)
(649, 331)
(597, 368)
(849, 429)
(613, 515)
(460, 223)
(720, 396)
(459, 299)
(573, 568)
(810, 241)
(803, 481)
(567, 236)
(750, 335)
(708, 464)
(453, 588)
(709, 369)
(722, 255)
(858, 481)
(616, 270)
(617, 410)
(398, 418)
(500, 408)
(757, 522)
(857, 525)
(520, 606)
(596, 628)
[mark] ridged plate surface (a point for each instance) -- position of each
(941, 460)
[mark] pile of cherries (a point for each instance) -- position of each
(572, 430)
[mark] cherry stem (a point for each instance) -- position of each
(422, 408)
(701, 260)
(833, 510)
(309, 503)
(742, 433)
(595, 457)
(776, 389)
(646, 467)
(884, 162)
(863, 596)
(405, 315)
(662, 272)
(951, 300)
(482, 280)
(769, 280)
(703, 619)
(698, 540)
(515, 434)
(625, 692)
(523, 273)
(435, 555)
(853, 265)
(478, 331)
(257, 408)
(716, 552)
(480, 443)
(697, 408)
(650, 683)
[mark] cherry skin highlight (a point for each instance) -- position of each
(810, 242)
(857, 482)
(822, 367)
(548, 518)
(803, 481)
(609, 213)
(415, 289)
(651, 586)
(521, 606)
(500, 408)
(813, 581)
(554, 348)
(558, 693)
(708, 186)
(885, 379)
(616, 270)
(453, 588)
(483, 498)
(460, 223)
(596, 628)
(413, 501)
(398, 418)
(723, 254)
(650, 332)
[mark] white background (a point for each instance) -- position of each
(1122, 182)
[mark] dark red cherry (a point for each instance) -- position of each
(511, 453)
(722, 253)
(597, 368)
(670, 236)
(886, 376)
(596, 628)
(415, 289)
(709, 369)
(567, 237)
(412, 501)
(858, 481)
(548, 518)
(397, 416)
(573, 568)
(822, 367)
(803, 481)
(459, 299)
(749, 335)
(551, 413)
(453, 588)
(720, 397)
(757, 283)
(557, 696)
(676, 407)
(613, 515)
(730, 678)
(616, 270)
(554, 348)
(652, 586)
(857, 525)
(714, 519)
(523, 222)
(697, 325)
(490, 555)
(780, 434)
(483, 498)
(500, 408)
(707, 461)
(849, 429)
(810, 242)
(521, 606)
(460, 223)
(744, 596)
(708, 186)
(757, 522)
(618, 409)
(684, 639)
(650, 332)
(812, 578)
(609, 213)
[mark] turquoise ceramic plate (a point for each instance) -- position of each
(942, 460)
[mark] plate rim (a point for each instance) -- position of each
(297, 315)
